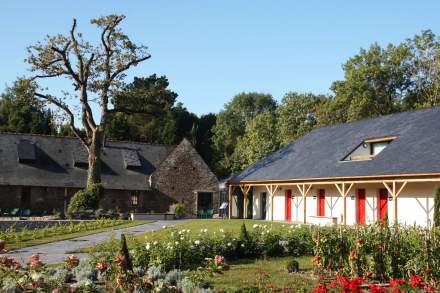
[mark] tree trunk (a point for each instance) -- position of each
(94, 171)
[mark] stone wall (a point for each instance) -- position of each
(183, 174)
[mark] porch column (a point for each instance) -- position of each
(304, 189)
(245, 190)
(344, 193)
(395, 194)
(271, 189)
(230, 191)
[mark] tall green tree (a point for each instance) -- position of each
(425, 70)
(231, 124)
(296, 115)
(145, 112)
(259, 140)
(96, 72)
(17, 114)
(376, 81)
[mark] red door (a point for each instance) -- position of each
(321, 202)
(383, 203)
(288, 204)
(361, 206)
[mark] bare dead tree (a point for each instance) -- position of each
(96, 72)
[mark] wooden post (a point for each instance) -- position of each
(271, 189)
(395, 194)
(344, 193)
(230, 191)
(303, 189)
(245, 190)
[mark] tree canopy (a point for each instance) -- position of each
(17, 114)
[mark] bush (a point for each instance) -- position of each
(179, 210)
(293, 266)
(87, 199)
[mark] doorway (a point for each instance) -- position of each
(205, 204)
(321, 202)
(25, 200)
(361, 206)
(288, 205)
(383, 204)
(263, 205)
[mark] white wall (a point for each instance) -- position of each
(414, 203)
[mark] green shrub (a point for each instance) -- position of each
(179, 210)
(437, 208)
(85, 200)
(293, 266)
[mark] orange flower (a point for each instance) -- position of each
(353, 255)
(120, 280)
(316, 260)
(358, 242)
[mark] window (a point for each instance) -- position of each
(377, 147)
(369, 148)
(134, 198)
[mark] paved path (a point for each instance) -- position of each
(55, 252)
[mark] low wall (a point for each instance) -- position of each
(149, 216)
(31, 225)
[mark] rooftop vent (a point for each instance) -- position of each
(80, 157)
(26, 151)
(131, 159)
(369, 149)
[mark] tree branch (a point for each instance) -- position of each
(66, 109)
(128, 65)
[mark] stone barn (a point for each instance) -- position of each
(41, 173)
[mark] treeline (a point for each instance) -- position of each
(377, 81)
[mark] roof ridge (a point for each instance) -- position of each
(378, 117)
(75, 138)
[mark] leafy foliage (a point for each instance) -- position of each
(87, 199)
(19, 112)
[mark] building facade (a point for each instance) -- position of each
(41, 174)
(354, 173)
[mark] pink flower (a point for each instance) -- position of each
(101, 266)
(72, 261)
(120, 280)
(56, 290)
(219, 260)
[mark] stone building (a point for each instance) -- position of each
(41, 173)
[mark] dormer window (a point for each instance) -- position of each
(26, 151)
(369, 149)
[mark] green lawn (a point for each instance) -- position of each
(263, 273)
(65, 236)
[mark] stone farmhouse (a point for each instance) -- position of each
(41, 173)
(353, 173)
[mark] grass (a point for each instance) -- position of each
(195, 226)
(66, 236)
(266, 273)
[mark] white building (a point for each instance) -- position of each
(354, 173)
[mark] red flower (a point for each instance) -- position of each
(376, 289)
(333, 284)
(417, 281)
(320, 289)
(397, 282)
(430, 289)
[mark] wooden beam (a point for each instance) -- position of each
(230, 201)
(344, 193)
(304, 190)
(271, 189)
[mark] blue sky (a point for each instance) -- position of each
(211, 50)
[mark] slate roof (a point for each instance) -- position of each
(416, 150)
(62, 162)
